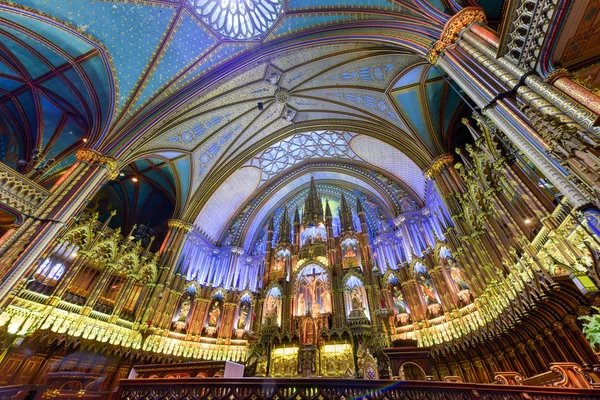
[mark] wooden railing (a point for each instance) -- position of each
(327, 388)
(564, 375)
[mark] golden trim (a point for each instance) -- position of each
(180, 225)
(438, 165)
(452, 30)
(554, 75)
(93, 157)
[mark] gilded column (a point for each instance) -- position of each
(570, 107)
(68, 196)
(170, 254)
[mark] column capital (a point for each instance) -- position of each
(452, 30)
(438, 165)
(93, 157)
(178, 224)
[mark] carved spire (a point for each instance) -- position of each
(313, 207)
(327, 209)
(359, 207)
(346, 215)
(284, 228)
(271, 224)
(296, 216)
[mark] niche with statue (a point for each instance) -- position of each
(243, 316)
(272, 307)
(180, 322)
(355, 299)
(215, 313)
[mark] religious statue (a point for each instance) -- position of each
(350, 252)
(357, 303)
(271, 306)
(261, 365)
(399, 300)
(457, 275)
(301, 304)
(326, 301)
(185, 310)
(243, 317)
(427, 289)
(279, 263)
(214, 314)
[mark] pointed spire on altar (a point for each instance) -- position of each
(346, 220)
(284, 228)
(313, 207)
(343, 204)
(327, 209)
(359, 207)
(271, 224)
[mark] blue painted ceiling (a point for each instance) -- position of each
(88, 72)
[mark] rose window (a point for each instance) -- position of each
(238, 19)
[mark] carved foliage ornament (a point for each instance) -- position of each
(92, 157)
(179, 225)
(452, 30)
(438, 165)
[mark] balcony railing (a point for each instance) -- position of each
(19, 192)
(327, 388)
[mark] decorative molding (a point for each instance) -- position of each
(93, 157)
(438, 165)
(555, 75)
(452, 30)
(180, 225)
(20, 193)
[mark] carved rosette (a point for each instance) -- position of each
(93, 157)
(453, 28)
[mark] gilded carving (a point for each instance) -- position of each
(453, 28)
(180, 225)
(93, 157)
(438, 165)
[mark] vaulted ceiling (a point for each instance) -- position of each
(201, 102)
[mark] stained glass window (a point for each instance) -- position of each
(302, 146)
(238, 19)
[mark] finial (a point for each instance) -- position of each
(359, 207)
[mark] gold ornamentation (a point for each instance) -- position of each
(93, 157)
(19, 192)
(180, 225)
(438, 165)
(554, 75)
(453, 28)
